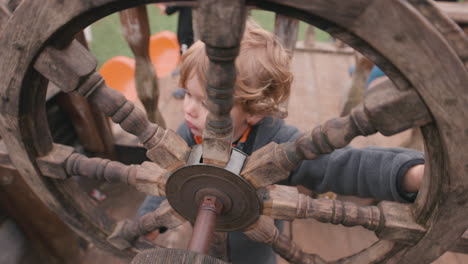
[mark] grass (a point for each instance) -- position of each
(108, 40)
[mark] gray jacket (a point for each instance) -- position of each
(369, 172)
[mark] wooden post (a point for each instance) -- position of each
(286, 29)
(91, 125)
(309, 38)
(358, 84)
(136, 30)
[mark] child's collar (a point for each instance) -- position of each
(242, 139)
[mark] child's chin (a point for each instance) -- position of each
(196, 132)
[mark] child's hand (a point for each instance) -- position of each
(413, 178)
(152, 236)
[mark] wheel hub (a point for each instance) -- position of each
(188, 185)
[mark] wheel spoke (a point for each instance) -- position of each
(433, 67)
(376, 253)
(386, 109)
(265, 231)
(285, 202)
(127, 231)
(390, 220)
(73, 69)
(221, 28)
(62, 162)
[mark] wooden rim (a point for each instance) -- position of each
(402, 53)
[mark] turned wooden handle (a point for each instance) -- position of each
(127, 231)
(221, 26)
(73, 69)
(148, 177)
(386, 109)
(285, 202)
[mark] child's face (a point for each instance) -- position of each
(195, 111)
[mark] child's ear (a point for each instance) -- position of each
(252, 120)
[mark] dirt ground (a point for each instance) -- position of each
(319, 90)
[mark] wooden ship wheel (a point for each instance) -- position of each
(219, 189)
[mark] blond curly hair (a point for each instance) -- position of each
(263, 72)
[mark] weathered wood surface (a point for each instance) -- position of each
(377, 18)
(286, 30)
(92, 136)
(265, 231)
(449, 119)
(409, 52)
(386, 109)
(309, 37)
(453, 34)
(37, 221)
(148, 178)
(4, 14)
(54, 163)
(361, 73)
(320, 86)
(377, 252)
(286, 203)
(91, 125)
(77, 65)
(48, 192)
(136, 30)
(172, 255)
(126, 232)
(390, 220)
(221, 26)
(322, 47)
(62, 163)
(456, 11)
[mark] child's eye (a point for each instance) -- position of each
(204, 104)
(187, 94)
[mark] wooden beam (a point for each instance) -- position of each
(286, 29)
(44, 229)
(136, 31)
(456, 11)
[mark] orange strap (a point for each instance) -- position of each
(244, 137)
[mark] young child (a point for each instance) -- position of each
(263, 83)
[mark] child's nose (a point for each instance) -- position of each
(190, 107)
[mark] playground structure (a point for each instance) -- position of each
(436, 102)
(119, 71)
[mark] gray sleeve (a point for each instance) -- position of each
(152, 203)
(369, 172)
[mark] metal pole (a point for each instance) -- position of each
(205, 223)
